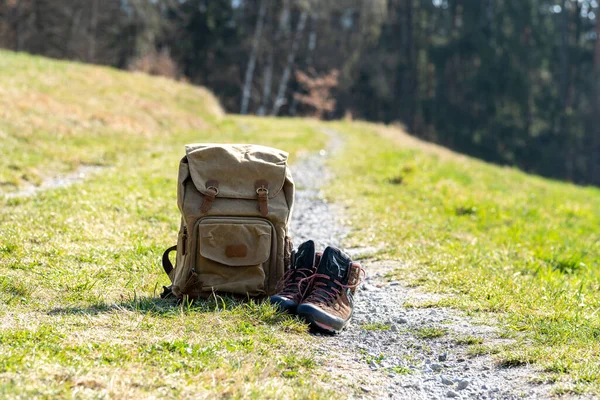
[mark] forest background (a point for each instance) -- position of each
(515, 82)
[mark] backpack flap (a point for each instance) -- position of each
(239, 171)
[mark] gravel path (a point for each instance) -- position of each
(389, 350)
(79, 175)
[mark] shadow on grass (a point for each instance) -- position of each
(171, 306)
(257, 310)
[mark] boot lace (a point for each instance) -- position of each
(326, 289)
(290, 284)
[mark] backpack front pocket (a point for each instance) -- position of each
(233, 254)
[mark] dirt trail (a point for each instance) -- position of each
(389, 350)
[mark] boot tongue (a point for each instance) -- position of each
(305, 256)
(334, 263)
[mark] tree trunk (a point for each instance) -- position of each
(407, 73)
(312, 45)
(73, 36)
(18, 33)
(564, 57)
(413, 84)
(267, 84)
(595, 155)
(489, 13)
(260, 22)
(564, 83)
(597, 48)
(91, 56)
(268, 80)
(312, 40)
(280, 99)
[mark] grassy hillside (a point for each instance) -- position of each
(523, 248)
(79, 267)
(57, 115)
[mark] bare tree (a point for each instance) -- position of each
(318, 91)
(18, 24)
(564, 57)
(280, 99)
(91, 56)
(268, 79)
(312, 45)
(564, 79)
(260, 22)
(595, 133)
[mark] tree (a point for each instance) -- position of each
(260, 22)
(512, 82)
(318, 90)
(268, 75)
(593, 118)
(283, 83)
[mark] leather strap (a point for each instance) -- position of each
(262, 190)
(166, 263)
(212, 190)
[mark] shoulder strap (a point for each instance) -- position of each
(166, 263)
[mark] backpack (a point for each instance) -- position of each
(235, 202)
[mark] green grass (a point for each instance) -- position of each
(498, 240)
(56, 115)
(468, 340)
(79, 266)
(430, 332)
(401, 370)
(483, 349)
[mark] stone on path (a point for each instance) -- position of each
(447, 381)
(462, 384)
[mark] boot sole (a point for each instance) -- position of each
(283, 303)
(320, 320)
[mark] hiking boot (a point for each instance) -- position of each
(294, 283)
(329, 303)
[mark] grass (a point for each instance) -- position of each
(400, 370)
(55, 116)
(483, 349)
(430, 332)
(376, 326)
(495, 239)
(79, 266)
(468, 340)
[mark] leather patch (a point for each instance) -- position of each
(236, 251)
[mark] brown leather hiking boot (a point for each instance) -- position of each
(294, 283)
(330, 300)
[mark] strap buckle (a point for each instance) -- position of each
(213, 188)
(262, 189)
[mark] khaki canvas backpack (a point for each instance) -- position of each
(235, 202)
